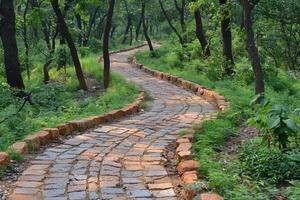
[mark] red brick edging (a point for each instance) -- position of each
(199, 90)
(47, 135)
(187, 168)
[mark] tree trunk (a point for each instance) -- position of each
(137, 30)
(129, 22)
(66, 34)
(131, 36)
(146, 29)
(89, 30)
(252, 49)
(127, 29)
(8, 37)
(113, 29)
(226, 38)
(79, 26)
(170, 23)
(200, 33)
(181, 14)
(46, 71)
(25, 38)
(106, 59)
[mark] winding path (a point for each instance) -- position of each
(121, 160)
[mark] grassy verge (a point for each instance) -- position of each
(59, 101)
(223, 172)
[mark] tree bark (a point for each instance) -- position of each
(200, 33)
(252, 49)
(170, 23)
(137, 30)
(66, 35)
(106, 59)
(25, 38)
(113, 29)
(79, 26)
(146, 29)
(129, 22)
(8, 37)
(89, 30)
(226, 38)
(181, 10)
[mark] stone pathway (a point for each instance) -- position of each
(121, 160)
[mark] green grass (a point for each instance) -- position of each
(59, 101)
(222, 171)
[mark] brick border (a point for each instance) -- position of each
(48, 135)
(187, 168)
(209, 95)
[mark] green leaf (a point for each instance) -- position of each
(291, 124)
(273, 122)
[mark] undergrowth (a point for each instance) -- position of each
(59, 101)
(234, 175)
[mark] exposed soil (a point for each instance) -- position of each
(245, 133)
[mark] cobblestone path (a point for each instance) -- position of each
(120, 160)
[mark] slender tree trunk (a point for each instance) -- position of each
(181, 10)
(66, 34)
(200, 33)
(79, 26)
(89, 30)
(138, 28)
(170, 23)
(226, 38)
(127, 29)
(131, 36)
(252, 49)
(8, 37)
(129, 22)
(106, 59)
(146, 29)
(25, 38)
(100, 27)
(113, 29)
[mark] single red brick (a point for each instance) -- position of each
(188, 165)
(20, 147)
(4, 159)
(210, 196)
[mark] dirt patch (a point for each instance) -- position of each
(172, 170)
(244, 134)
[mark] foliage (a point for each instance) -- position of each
(270, 164)
(58, 102)
(228, 174)
(276, 125)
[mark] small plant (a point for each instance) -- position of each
(276, 124)
(269, 164)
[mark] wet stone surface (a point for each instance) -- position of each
(121, 160)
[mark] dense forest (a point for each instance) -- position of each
(246, 50)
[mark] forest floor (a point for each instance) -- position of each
(125, 159)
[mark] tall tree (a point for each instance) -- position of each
(200, 33)
(181, 10)
(248, 6)
(8, 37)
(145, 28)
(25, 38)
(129, 22)
(106, 59)
(170, 23)
(226, 37)
(67, 36)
